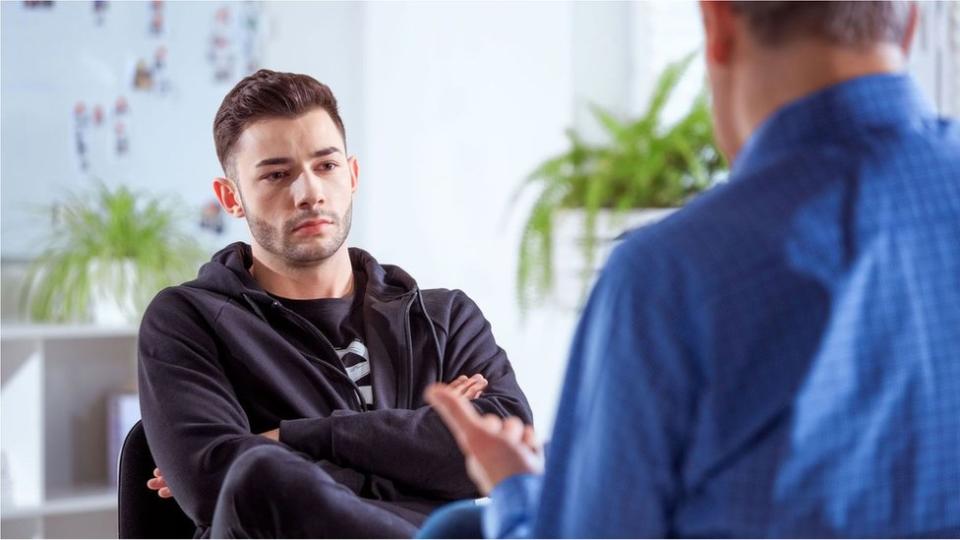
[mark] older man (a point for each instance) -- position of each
(782, 357)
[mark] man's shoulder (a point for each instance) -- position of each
(721, 237)
(449, 307)
(445, 300)
(184, 302)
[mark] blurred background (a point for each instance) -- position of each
(485, 134)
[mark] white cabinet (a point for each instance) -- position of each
(57, 383)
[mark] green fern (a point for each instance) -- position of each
(644, 164)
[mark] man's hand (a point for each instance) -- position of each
(470, 388)
(495, 448)
(159, 484)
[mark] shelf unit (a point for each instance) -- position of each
(56, 384)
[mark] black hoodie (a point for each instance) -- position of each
(221, 361)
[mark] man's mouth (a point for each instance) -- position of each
(312, 224)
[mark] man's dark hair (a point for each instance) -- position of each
(854, 24)
(268, 94)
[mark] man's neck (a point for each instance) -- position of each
(779, 76)
(331, 278)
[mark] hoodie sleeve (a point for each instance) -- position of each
(414, 447)
(194, 423)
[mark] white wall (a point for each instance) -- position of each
(664, 32)
(935, 55)
(462, 101)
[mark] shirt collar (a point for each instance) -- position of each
(836, 112)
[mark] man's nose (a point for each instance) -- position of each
(308, 190)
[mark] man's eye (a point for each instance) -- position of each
(328, 166)
(276, 176)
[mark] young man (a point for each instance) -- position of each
(782, 357)
(281, 390)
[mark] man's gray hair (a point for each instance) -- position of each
(854, 24)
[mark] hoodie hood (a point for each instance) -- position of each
(228, 274)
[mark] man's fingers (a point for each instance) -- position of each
(468, 387)
(477, 381)
(530, 439)
(459, 383)
(491, 423)
(475, 385)
(512, 429)
(156, 483)
(455, 410)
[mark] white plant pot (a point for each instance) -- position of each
(112, 296)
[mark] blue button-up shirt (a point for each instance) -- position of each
(782, 356)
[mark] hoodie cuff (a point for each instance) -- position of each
(313, 436)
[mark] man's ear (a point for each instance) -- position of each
(719, 29)
(229, 196)
(913, 19)
(354, 173)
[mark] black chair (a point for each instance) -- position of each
(142, 514)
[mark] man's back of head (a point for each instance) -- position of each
(850, 24)
(762, 55)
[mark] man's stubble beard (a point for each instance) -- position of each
(310, 252)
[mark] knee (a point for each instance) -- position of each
(250, 476)
(247, 490)
(256, 466)
(267, 491)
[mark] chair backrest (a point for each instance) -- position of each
(141, 512)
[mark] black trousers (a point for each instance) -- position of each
(272, 492)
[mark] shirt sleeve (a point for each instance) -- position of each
(512, 507)
(192, 417)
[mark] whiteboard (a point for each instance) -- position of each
(54, 57)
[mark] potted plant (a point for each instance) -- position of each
(643, 165)
(108, 254)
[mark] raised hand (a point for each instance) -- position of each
(495, 448)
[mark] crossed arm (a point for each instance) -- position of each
(462, 387)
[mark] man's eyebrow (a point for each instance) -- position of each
(326, 151)
(285, 160)
(274, 161)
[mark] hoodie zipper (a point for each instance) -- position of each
(338, 369)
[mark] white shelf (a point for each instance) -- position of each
(80, 501)
(58, 437)
(64, 331)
